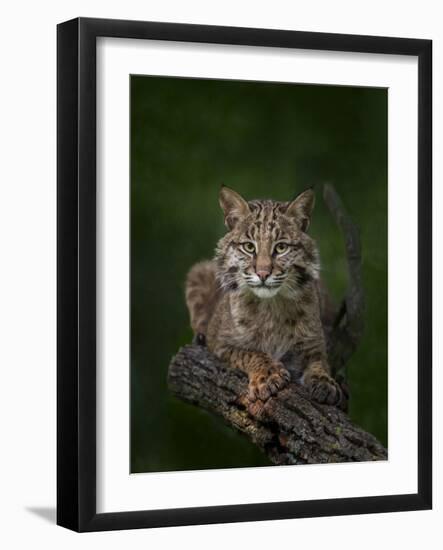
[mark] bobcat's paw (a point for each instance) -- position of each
(324, 389)
(267, 381)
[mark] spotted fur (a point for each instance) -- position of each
(257, 303)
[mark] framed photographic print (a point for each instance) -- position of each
(244, 274)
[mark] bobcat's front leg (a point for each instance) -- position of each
(322, 387)
(311, 348)
(266, 376)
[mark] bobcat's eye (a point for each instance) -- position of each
(248, 247)
(281, 248)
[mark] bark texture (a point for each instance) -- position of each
(290, 429)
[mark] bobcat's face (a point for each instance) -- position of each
(266, 250)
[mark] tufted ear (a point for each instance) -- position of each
(301, 209)
(233, 205)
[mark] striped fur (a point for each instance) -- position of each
(201, 295)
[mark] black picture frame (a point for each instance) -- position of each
(76, 273)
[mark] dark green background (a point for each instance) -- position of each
(265, 140)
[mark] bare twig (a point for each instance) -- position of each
(347, 325)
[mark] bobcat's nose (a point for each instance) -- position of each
(263, 274)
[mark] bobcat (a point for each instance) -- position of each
(257, 303)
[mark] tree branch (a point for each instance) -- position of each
(290, 429)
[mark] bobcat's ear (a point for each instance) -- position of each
(301, 209)
(233, 205)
